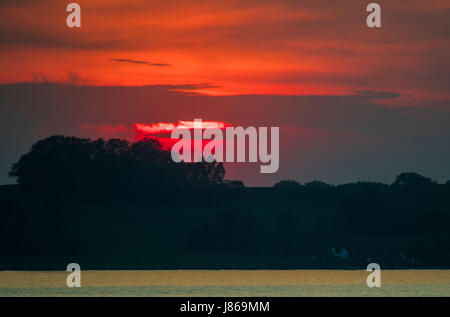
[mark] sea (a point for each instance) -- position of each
(226, 283)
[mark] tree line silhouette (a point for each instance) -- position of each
(115, 204)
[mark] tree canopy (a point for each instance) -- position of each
(289, 183)
(412, 179)
(77, 165)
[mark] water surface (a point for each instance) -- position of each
(226, 283)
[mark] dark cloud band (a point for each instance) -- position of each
(125, 60)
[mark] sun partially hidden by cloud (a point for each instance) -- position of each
(162, 130)
(163, 127)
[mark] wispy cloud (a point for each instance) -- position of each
(125, 60)
(377, 94)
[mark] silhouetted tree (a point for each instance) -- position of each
(359, 186)
(318, 184)
(234, 183)
(65, 167)
(287, 184)
(412, 179)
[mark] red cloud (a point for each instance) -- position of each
(161, 130)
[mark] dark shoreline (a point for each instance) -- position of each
(231, 228)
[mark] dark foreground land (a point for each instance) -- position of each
(343, 227)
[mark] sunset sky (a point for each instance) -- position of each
(353, 103)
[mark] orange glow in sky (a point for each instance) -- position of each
(235, 47)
